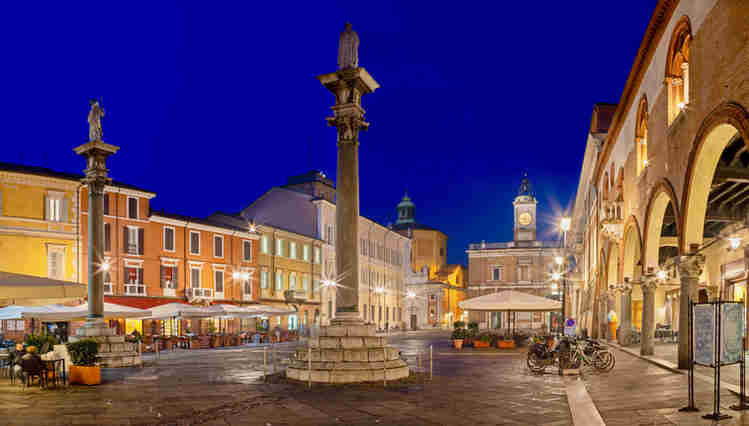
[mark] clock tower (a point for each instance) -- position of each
(525, 212)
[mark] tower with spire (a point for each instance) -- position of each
(405, 211)
(525, 212)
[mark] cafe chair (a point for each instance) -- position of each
(33, 368)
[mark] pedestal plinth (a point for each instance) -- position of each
(348, 351)
(114, 351)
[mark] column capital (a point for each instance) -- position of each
(691, 266)
(649, 282)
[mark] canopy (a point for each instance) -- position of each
(19, 287)
(68, 313)
(510, 300)
(182, 310)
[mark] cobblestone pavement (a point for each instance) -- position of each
(220, 387)
(637, 392)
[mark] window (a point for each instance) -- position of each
(387, 312)
(677, 69)
(329, 237)
(247, 250)
(641, 135)
(169, 277)
(315, 285)
(168, 238)
(108, 283)
(56, 262)
(132, 207)
(292, 281)
(134, 281)
(372, 251)
(305, 283)
(305, 253)
(442, 251)
(293, 322)
(292, 250)
(107, 237)
(55, 206)
(523, 273)
(218, 246)
(279, 281)
(133, 240)
(195, 277)
(106, 204)
(379, 313)
(194, 242)
(247, 287)
(497, 273)
(317, 255)
(371, 312)
(279, 247)
(264, 278)
(218, 281)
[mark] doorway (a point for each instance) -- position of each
(413, 321)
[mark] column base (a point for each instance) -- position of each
(114, 351)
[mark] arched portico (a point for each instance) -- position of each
(631, 271)
(661, 196)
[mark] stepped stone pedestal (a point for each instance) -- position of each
(348, 351)
(114, 351)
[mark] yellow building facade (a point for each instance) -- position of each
(39, 232)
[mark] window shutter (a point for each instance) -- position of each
(46, 208)
(175, 277)
(140, 275)
(64, 204)
(140, 241)
(107, 237)
(163, 276)
(124, 239)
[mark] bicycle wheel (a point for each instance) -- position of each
(604, 360)
(535, 364)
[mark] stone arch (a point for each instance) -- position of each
(677, 68)
(662, 194)
(631, 249)
(641, 134)
(715, 133)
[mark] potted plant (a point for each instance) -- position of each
(482, 340)
(457, 337)
(84, 370)
(506, 342)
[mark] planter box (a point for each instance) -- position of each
(458, 343)
(85, 375)
(506, 344)
(480, 344)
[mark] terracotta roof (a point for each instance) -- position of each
(202, 221)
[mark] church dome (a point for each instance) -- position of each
(405, 202)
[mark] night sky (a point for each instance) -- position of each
(213, 103)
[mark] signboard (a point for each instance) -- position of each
(731, 332)
(704, 334)
(569, 327)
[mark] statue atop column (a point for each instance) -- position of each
(348, 48)
(94, 121)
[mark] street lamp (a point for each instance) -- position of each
(565, 223)
(734, 242)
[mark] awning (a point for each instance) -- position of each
(20, 288)
(510, 301)
(182, 310)
(68, 313)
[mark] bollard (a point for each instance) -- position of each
(309, 367)
(431, 370)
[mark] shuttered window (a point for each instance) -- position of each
(218, 281)
(264, 278)
(132, 207)
(218, 246)
(168, 239)
(194, 242)
(247, 250)
(279, 281)
(56, 263)
(106, 204)
(169, 277)
(195, 277)
(107, 237)
(133, 240)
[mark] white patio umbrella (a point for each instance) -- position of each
(183, 311)
(68, 313)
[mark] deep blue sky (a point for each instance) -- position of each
(212, 103)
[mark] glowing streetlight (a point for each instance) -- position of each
(558, 260)
(661, 275)
(734, 242)
(556, 276)
(411, 295)
(105, 266)
(235, 275)
(379, 290)
(565, 223)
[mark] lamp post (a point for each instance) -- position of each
(564, 225)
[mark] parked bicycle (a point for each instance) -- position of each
(572, 352)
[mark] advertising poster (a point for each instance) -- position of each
(731, 332)
(704, 334)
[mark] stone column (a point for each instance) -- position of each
(625, 329)
(690, 269)
(649, 285)
(610, 306)
(96, 153)
(348, 85)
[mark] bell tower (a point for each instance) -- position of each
(525, 212)
(405, 211)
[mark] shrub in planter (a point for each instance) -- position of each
(83, 356)
(459, 324)
(483, 340)
(40, 340)
(457, 337)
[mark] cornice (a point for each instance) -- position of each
(656, 28)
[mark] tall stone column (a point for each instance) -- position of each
(690, 269)
(348, 85)
(625, 328)
(649, 284)
(96, 153)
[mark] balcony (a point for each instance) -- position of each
(131, 249)
(196, 293)
(135, 289)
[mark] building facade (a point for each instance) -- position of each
(662, 199)
(525, 264)
(306, 206)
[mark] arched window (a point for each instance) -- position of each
(641, 135)
(677, 68)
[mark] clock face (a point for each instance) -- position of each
(525, 219)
